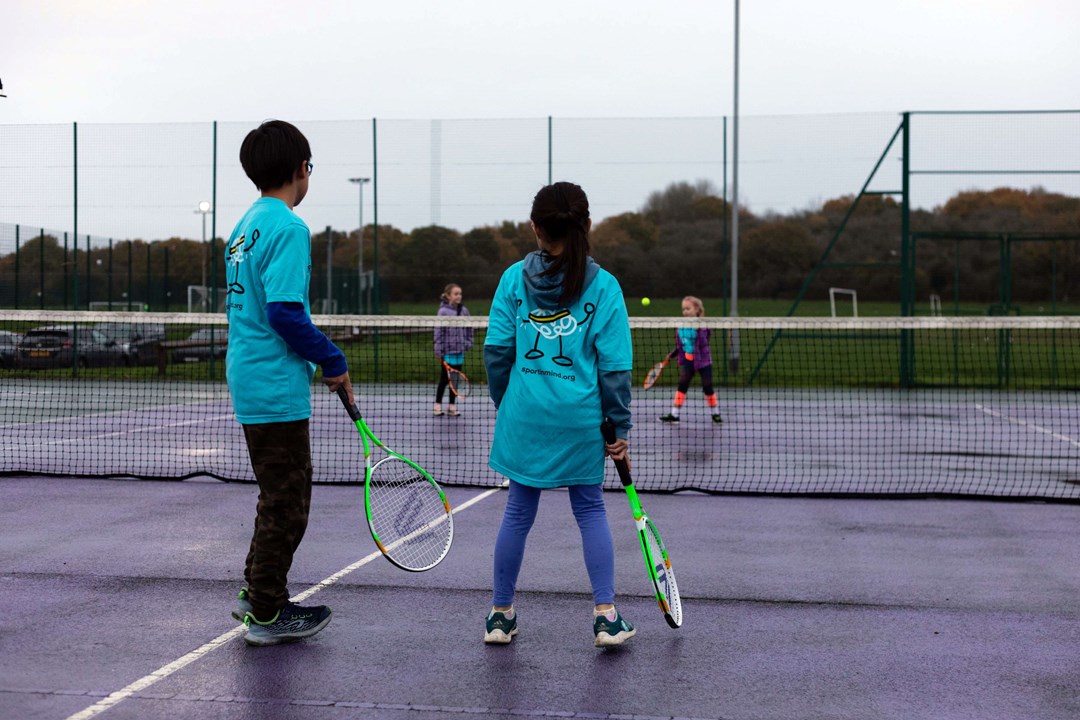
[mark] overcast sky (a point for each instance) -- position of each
(154, 61)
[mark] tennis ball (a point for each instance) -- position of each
(645, 302)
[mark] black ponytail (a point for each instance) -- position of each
(561, 212)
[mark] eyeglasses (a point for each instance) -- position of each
(310, 167)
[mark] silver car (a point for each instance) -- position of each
(201, 344)
(138, 341)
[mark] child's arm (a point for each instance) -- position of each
(289, 320)
(440, 342)
(498, 361)
(615, 399)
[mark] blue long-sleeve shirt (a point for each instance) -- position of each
(289, 320)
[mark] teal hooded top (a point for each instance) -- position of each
(555, 371)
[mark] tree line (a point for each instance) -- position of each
(676, 244)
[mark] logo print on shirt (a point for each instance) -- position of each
(236, 254)
(554, 325)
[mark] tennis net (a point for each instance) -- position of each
(809, 406)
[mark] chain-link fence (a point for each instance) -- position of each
(109, 215)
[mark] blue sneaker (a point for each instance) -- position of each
(500, 629)
(243, 605)
(611, 629)
(292, 622)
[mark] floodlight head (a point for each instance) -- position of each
(359, 180)
(204, 206)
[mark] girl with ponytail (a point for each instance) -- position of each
(558, 360)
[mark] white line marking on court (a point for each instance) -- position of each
(64, 418)
(118, 433)
(104, 413)
(1025, 423)
(166, 670)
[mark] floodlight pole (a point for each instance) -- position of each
(734, 358)
(204, 210)
(360, 288)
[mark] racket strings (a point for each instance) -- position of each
(408, 514)
(665, 576)
(459, 383)
(654, 374)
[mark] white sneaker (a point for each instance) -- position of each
(500, 629)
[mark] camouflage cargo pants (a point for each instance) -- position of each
(281, 457)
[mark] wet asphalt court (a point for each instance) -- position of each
(116, 597)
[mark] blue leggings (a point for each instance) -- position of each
(587, 502)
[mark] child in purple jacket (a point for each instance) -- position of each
(692, 350)
(451, 344)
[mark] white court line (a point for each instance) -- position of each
(1025, 423)
(166, 670)
(65, 418)
(103, 413)
(118, 433)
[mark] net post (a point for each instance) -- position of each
(907, 275)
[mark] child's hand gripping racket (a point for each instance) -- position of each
(654, 373)
(652, 547)
(407, 513)
(459, 383)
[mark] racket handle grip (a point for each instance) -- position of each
(607, 429)
(354, 412)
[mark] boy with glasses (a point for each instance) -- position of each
(273, 350)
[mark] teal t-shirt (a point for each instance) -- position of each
(547, 431)
(267, 259)
(687, 338)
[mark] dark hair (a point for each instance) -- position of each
(272, 153)
(561, 212)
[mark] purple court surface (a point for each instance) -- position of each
(116, 599)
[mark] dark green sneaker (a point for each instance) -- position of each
(243, 605)
(669, 418)
(500, 629)
(717, 419)
(292, 622)
(610, 629)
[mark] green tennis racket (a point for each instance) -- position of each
(407, 513)
(652, 546)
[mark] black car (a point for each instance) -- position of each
(9, 341)
(61, 346)
(197, 346)
(137, 341)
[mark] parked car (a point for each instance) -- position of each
(60, 346)
(9, 341)
(198, 345)
(138, 341)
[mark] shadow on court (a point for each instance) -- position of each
(117, 593)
